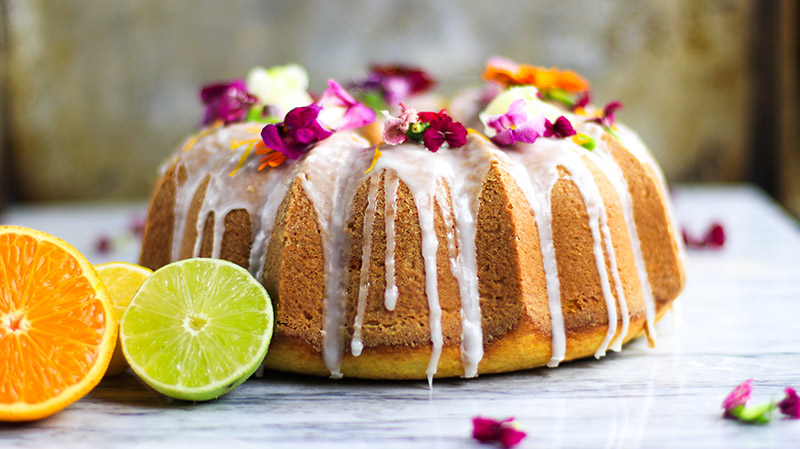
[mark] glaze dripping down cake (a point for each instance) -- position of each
(546, 236)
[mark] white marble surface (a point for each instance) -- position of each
(739, 317)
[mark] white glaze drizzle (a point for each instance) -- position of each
(605, 160)
(535, 170)
(356, 344)
(598, 224)
(471, 163)
(330, 190)
(421, 171)
(391, 182)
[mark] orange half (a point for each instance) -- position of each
(57, 326)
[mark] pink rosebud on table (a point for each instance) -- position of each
(488, 430)
(790, 405)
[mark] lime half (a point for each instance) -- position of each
(196, 329)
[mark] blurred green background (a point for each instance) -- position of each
(96, 94)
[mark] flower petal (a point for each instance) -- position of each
(790, 405)
(738, 397)
(488, 430)
(283, 88)
(432, 139)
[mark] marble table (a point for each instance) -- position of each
(739, 317)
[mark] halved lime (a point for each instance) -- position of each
(196, 329)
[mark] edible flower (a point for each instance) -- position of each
(606, 118)
(103, 244)
(514, 126)
(488, 430)
(433, 129)
(297, 134)
(790, 405)
(341, 111)
(561, 129)
(442, 129)
(583, 100)
(508, 73)
(714, 238)
(279, 89)
(737, 399)
(388, 85)
(395, 128)
(137, 224)
(228, 101)
(735, 406)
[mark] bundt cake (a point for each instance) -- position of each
(546, 237)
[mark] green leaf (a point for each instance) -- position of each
(756, 414)
(374, 100)
(255, 114)
(559, 95)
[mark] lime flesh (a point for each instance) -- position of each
(196, 329)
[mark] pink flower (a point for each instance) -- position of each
(229, 102)
(355, 114)
(395, 128)
(582, 101)
(790, 405)
(607, 118)
(514, 126)
(714, 238)
(488, 430)
(737, 398)
(442, 129)
(298, 133)
(561, 129)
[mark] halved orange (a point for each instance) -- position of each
(57, 326)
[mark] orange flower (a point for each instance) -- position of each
(507, 73)
(271, 157)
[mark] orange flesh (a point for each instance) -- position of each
(51, 322)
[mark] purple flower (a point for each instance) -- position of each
(790, 405)
(229, 102)
(387, 85)
(561, 129)
(297, 134)
(514, 126)
(737, 398)
(488, 430)
(606, 120)
(395, 128)
(354, 114)
(442, 129)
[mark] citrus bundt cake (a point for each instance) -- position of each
(546, 237)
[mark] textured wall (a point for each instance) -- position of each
(101, 92)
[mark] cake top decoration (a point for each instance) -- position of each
(508, 73)
(226, 101)
(282, 91)
(432, 129)
(387, 85)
